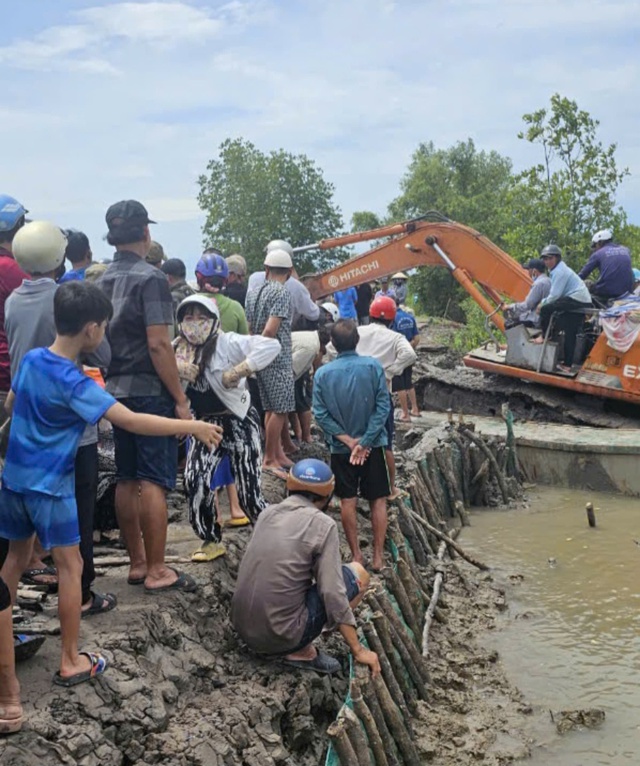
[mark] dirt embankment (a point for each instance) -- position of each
(183, 691)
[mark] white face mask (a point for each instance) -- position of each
(197, 331)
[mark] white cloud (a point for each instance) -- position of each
(354, 84)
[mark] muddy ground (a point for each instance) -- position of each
(183, 691)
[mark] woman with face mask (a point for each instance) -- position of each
(213, 367)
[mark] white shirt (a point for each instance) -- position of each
(305, 348)
(391, 349)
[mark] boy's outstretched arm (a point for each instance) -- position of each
(154, 425)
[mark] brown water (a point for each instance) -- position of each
(571, 637)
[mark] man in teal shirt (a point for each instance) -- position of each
(351, 405)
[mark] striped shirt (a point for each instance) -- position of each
(54, 401)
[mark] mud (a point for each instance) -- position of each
(184, 691)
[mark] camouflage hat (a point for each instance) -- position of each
(155, 254)
(237, 265)
(95, 271)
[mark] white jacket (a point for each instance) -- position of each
(305, 347)
(390, 348)
(232, 349)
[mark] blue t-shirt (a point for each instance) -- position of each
(54, 401)
(74, 274)
(405, 324)
(346, 300)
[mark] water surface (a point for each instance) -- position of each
(571, 638)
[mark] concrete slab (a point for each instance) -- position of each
(580, 457)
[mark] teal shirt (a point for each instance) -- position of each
(350, 396)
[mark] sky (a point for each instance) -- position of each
(121, 100)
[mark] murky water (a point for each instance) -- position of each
(575, 639)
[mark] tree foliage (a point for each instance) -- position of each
(463, 184)
(250, 198)
(571, 192)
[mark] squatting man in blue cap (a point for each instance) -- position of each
(292, 583)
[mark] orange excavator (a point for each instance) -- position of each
(490, 277)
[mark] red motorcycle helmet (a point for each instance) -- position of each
(383, 307)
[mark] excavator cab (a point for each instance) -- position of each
(605, 363)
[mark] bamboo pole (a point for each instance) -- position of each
(431, 609)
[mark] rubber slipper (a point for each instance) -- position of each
(136, 580)
(99, 664)
(184, 583)
(10, 724)
(25, 647)
(208, 552)
(243, 521)
(29, 575)
(98, 604)
(321, 663)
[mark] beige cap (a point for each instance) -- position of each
(95, 271)
(237, 264)
(156, 253)
(400, 275)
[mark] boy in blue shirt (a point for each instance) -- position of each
(51, 401)
(406, 325)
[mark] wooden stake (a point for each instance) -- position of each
(399, 670)
(371, 698)
(356, 736)
(342, 745)
(591, 516)
(387, 673)
(400, 594)
(431, 609)
(401, 734)
(479, 442)
(379, 600)
(454, 545)
(373, 734)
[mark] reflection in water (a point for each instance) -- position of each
(575, 642)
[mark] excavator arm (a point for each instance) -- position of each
(486, 272)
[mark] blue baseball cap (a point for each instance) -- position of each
(11, 211)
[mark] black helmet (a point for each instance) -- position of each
(551, 250)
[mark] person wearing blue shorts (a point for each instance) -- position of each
(51, 401)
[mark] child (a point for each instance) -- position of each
(51, 401)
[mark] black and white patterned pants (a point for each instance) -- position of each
(241, 442)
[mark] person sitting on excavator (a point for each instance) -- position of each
(614, 263)
(567, 297)
(525, 312)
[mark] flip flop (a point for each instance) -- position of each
(184, 583)
(25, 647)
(98, 604)
(10, 724)
(208, 552)
(136, 580)
(242, 521)
(321, 663)
(29, 575)
(99, 664)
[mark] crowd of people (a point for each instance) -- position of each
(219, 380)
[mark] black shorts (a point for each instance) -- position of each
(302, 390)
(147, 458)
(403, 381)
(370, 481)
(390, 425)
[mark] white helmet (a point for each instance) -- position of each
(200, 300)
(279, 259)
(39, 247)
(604, 235)
(400, 275)
(279, 244)
(332, 309)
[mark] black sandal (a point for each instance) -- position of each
(98, 605)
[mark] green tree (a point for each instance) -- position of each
(463, 184)
(250, 198)
(571, 192)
